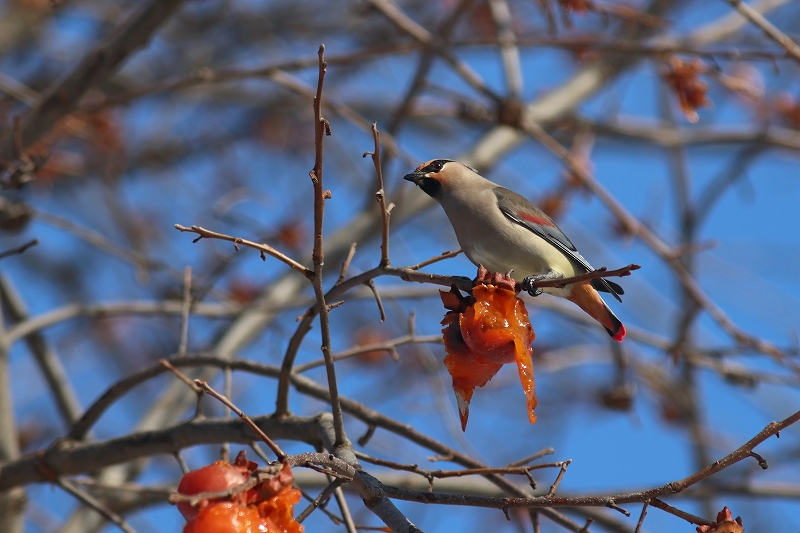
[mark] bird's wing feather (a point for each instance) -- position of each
(603, 285)
(520, 211)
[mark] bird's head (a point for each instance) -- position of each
(436, 176)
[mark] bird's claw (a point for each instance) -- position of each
(529, 287)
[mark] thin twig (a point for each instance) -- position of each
(559, 477)
(320, 500)
(430, 475)
(194, 499)
(19, 249)
(381, 196)
(181, 462)
(601, 272)
(346, 263)
(198, 409)
(297, 85)
(94, 504)
(374, 289)
(441, 257)
(345, 509)
(265, 249)
(228, 384)
(537, 455)
(641, 517)
(225, 401)
(180, 375)
(689, 517)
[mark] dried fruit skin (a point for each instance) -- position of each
(690, 89)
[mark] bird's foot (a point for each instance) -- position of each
(529, 284)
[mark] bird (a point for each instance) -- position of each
(503, 231)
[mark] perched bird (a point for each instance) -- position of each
(503, 231)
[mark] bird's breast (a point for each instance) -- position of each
(501, 245)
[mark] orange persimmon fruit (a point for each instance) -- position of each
(215, 477)
(481, 334)
(226, 517)
(267, 507)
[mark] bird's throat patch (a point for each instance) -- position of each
(431, 186)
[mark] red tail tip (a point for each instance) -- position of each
(620, 334)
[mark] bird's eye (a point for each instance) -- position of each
(438, 166)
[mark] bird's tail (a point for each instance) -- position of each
(586, 297)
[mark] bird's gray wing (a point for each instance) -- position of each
(520, 211)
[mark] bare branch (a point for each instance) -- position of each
(321, 127)
(263, 248)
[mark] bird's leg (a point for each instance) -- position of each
(529, 284)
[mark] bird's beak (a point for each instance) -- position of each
(414, 177)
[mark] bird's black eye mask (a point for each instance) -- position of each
(435, 166)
